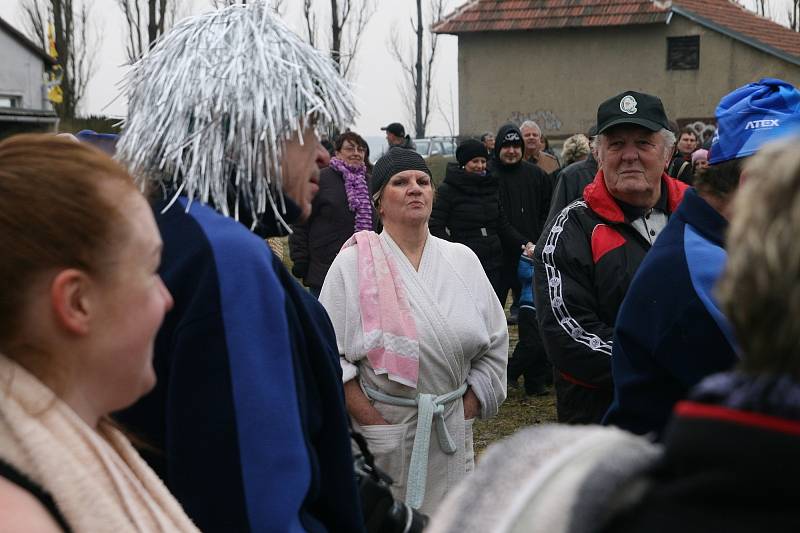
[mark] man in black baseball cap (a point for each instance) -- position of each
(632, 107)
(396, 136)
(589, 252)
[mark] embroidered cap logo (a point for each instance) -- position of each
(628, 105)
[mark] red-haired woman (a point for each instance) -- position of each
(81, 304)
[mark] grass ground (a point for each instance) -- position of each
(516, 412)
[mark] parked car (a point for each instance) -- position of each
(437, 151)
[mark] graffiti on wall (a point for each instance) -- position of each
(547, 120)
(704, 128)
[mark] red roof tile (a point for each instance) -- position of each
(500, 15)
(740, 20)
(722, 15)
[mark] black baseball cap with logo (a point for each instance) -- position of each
(395, 128)
(632, 107)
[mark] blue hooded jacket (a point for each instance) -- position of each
(670, 333)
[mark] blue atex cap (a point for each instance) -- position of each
(754, 115)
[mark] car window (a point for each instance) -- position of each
(437, 148)
(422, 146)
(449, 147)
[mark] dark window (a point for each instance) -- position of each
(9, 101)
(683, 53)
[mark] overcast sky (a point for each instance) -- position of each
(376, 81)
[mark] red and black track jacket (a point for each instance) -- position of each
(584, 262)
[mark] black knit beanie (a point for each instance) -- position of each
(507, 135)
(469, 150)
(394, 161)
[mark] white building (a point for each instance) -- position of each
(24, 106)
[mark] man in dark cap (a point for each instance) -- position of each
(525, 191)
(670, 333)
(396, 136)
(587, 255)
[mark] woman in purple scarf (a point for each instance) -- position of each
(342, 207)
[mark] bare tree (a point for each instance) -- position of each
(349, 19)
(146, 21)
(448, 116)
(760, 7)
(418, 66)
(75, 48)
(277, 5)
(311, 21)
(794, 15)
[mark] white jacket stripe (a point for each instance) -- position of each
(560, 311)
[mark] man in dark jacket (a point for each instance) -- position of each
(670, 332)
(570, 183)
(396, 136)
(587, 256)
(681, 165)
(247, 422)
(525, 192)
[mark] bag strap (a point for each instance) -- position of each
(16, 477)
(683, 167)
(369, 460)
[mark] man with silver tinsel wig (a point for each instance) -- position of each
(248, 416)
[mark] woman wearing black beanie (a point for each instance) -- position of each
(467, 210)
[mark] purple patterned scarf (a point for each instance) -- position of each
(355, 185)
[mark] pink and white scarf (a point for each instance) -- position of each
(390, 334)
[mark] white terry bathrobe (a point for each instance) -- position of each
(463, 338)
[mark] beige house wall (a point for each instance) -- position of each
(558, 77)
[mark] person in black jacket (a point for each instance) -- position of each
(525, 192)
(314, 244)
(467, 210)
(587, 256)
(570, 183)
(573, 178)
(680, 167)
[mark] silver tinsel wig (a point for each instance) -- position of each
(209, 105)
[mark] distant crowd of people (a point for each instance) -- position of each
(162, 370)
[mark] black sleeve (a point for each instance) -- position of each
(577, 340)
(512, 239)
(440, 215)
(674, 166)
(558, 200)
(545, 195)
(298, 249)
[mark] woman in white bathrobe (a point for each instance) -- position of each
(413, 387)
